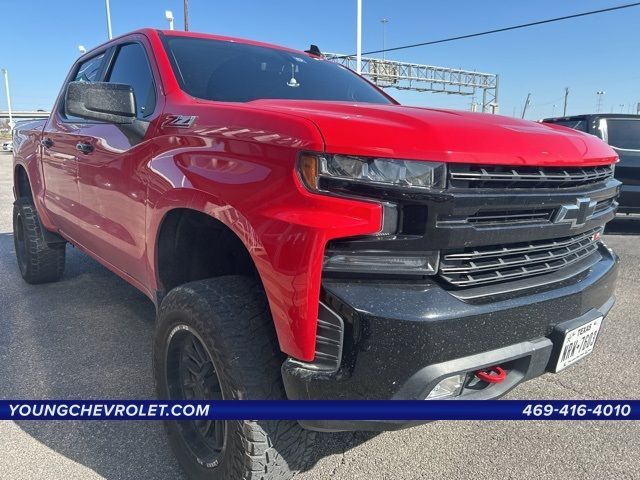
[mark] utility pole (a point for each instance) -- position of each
(6, 87)
(553, 109)
(359, 37)
(186, 15)
(600, 93)
(384, 22)
(106, 4)
(566, 97)
(526, 104)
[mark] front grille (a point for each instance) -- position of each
(603, 205)
(478, 266)
(510, 218)
(499, 176)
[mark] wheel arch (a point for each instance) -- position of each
(191, 244)
(21, 182)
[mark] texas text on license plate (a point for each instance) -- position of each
(578, 343)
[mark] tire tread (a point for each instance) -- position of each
(44, 263)
(247, 346)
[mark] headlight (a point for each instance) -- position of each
(370, 178)
(313, 168)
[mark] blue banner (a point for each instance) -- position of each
(321, 410)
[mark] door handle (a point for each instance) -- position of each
(84, 147)
(46, 142)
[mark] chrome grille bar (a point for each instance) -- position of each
(496, 176)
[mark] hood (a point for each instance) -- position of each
(398, 131)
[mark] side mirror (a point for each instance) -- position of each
(107, 102)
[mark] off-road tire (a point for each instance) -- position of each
(231, 317)
(39, 262)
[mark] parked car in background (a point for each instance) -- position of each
(622, 132)
(7, 146)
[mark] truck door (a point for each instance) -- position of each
(112, 189)
(623, 134)
(60, 156)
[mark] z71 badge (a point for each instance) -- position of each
(179, 121)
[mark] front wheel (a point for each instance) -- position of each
(215, 340)
(38, 261)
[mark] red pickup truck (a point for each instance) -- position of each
(304, 236)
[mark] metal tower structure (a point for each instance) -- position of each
(426, 78)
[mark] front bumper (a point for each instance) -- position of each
(401, 339)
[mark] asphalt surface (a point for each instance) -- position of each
(89, 336)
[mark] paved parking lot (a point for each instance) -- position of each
(89, 336)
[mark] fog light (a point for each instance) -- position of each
(448, 388)
(423, 263)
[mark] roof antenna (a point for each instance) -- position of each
(314, 50)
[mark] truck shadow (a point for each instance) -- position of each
(89, 336)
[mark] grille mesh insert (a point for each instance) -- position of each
(482, 265)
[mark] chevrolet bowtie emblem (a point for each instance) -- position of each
(577, 214)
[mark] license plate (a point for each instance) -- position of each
(578, 343)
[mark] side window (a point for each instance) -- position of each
(89, 69)
(132, 68)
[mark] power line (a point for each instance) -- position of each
(505, 29)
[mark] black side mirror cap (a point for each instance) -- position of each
(102, 101)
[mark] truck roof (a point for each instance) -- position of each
(180, 33)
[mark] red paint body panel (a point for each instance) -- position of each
(237, 164)
(443, 135)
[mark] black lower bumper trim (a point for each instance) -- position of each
(402, 339)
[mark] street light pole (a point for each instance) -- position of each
(168, 14)
(359, 38)
(106, 4)
(6, 87)
(384, 22)
(600, 93)
(186, 15)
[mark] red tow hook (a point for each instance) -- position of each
(492, 374)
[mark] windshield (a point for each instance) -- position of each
(236, 72)
(623, 133)
(575, 124)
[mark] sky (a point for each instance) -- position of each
(39, 42)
